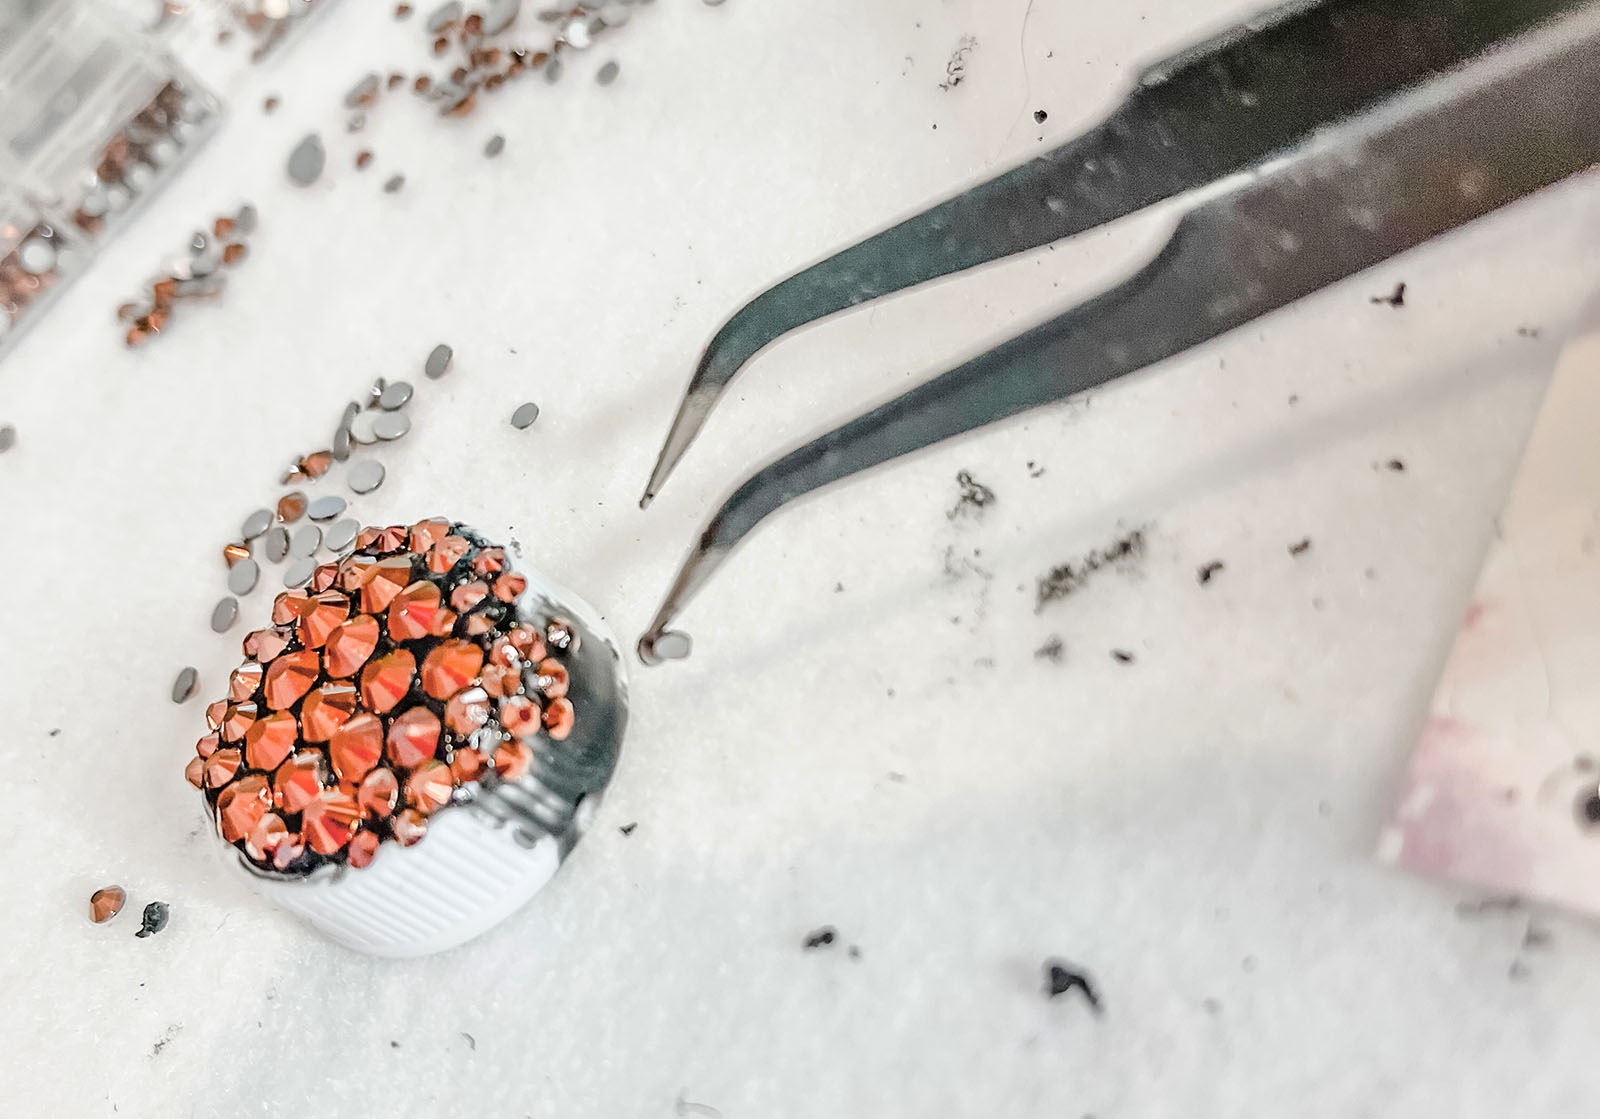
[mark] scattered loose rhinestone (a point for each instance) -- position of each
(234, 553)
(256, 523)
(224, 614)
(305, 541)
(395, 396)
(105, 903)
(366, 476)
(608, 73)
(389, 426)
(341, 534)
(298, 573)
(242, 576)
(438, 363)
(291, 507)
(326, 508)
(276, 545)
(183, 687)
(306, 160)
(524, 416)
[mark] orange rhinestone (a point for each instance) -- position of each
(357, 746)
(520, 716)
(354, 571)
(195, 772)
(289, 677)
(429, 786)
(320, 616)
(271, 740)
(265, 644)
(286, 607)
(553, 678)
(367, 537)
(489, 561)
(244, 682)
(233, 553)
(105, 903)
(501, 681)
(391, 539)
(444, 623)
(207, 744)
(409, 827)
(503, 653)
(479, 624)
(558, 718)
(425, 534)
(317, 463)
(386, 579)
(325, 711)
(299, 781)
(449, 667)
(466, 764)
(386, 680)
(330, 821)
(363, 847)
(350, 645)
(265, 837)
(241, 806)
(512, 760)
(221, 766)
(509, 586)
(414, 737)
(412, 612)
(527, 641)
(291, 507)
(467, 711)
(468, 595)
(447, 553)
(288, 850)
(324, 576)
(238, 719)
(379, 793)
(215, 713)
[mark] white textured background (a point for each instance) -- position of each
(1195, 829)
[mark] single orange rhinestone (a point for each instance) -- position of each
(553, 678)
(512, 760)
(291, 507)
(244, 681)
(413, 737)
(265, 644)
(326, 710)
(367, 537)
(221, 766)
(466, 764)
(508, 587)
(356, 747)
(447, 553)
(286, 607)
(290, 848)
(330, 821)
(429, 786)
(479, 624)
(392, 539)
(467, 711)
(411, 613)
(489, 561)
(386, 579)
(425, 534)
(241, 806)
(105, 903)
(363, 846)
(387, 680)
(409, 827)
(270, 740)
(195, 771)
(520, 716)
(300, 780)
(317, 463)
(558, 718)
(527, 641)
(264, 838)
(289, 677)
(323, 576)
(215, 713)
(222, 228)
(379, 793)
(501, 680)
(503, 653)
(319, 617)
(444, 623)
(207, 745)
(238, 720)
(350, 645)
(354, 571)
(561, 636)
(233, 553)
(449, 667)
(468, 595)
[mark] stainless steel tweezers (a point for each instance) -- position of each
(1316, 140)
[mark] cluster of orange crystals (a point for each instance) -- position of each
(399, 675)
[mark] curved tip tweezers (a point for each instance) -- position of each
(1341, 199)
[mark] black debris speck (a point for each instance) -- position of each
(1535, 936)
(1207, 572)
(1061, 977)
(55, 732)
(1122, 656)
(1396, 298)
(627, 829)
(821, 938)
(855, 953)
(1395, 465)
(394, 183)
(495, 146)
(1053, 650)
(1528, 331)
(955, 69)
(897, 778)
(1212, 1006)
(1066, 578)
(974, 495)
(1589, 809)
(394, 1045)
(153, 920)
(1040, 116)
(472, 1041)
(1300, 547)
(1034, 470)
(838, 588)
